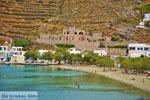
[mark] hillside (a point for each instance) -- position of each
(29, 18)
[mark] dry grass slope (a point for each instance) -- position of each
(28, 18)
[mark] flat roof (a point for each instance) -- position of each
(3, 46)
(138, 45)
(16, 47)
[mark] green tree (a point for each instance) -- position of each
(146, 64)
(90, 58)
(66, 55)
(135, 64)
(48, 56)
(76, 58)
(105, 62)
(58, 57)
(33, 54)
(61, 54)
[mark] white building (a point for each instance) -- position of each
(75, 51)
(17, 55)
(42, 51)
(100, 52)
(4, 53)
(146, 19)
(138, 50)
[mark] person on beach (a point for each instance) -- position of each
(148, 75)
(78, 85)
(95, 71)
(141, 98)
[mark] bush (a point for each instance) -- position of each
(123, 20)
(22, 42)
(102, 45)
(20, 0)
(147, 24)
(65, 45)
(119, 47)
(115, 38)
(146, 8)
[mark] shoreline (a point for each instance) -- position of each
(38, 64)
(115, 75)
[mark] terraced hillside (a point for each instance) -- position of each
(18, 17)
(28, 18)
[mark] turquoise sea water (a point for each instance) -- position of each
(60, 84)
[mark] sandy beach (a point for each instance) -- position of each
(138, 81)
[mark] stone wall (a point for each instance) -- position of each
(83, 42)
(118, 52)
(73, 36)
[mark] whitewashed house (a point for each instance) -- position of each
(100, 52)
(138, 50)
(4, 53)
(17, 55)
(75, 51)
(42, 51)
(145, 19)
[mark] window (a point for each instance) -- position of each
(59, 38)
(75, 33)
(71, 49)
(66, 38)
(146, 49)
(4, 48)
(0, 48)
(139, 48)
(81, 33)
(14, 49)
(132, 48)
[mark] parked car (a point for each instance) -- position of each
(29, 60)
(39, 61)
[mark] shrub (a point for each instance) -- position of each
(146, 8)
(22, 42)
(123, 20)
(65, 45)
(102, 45)
(115, 38)
(20, 0)
(119, 46)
